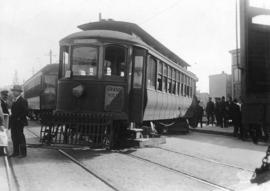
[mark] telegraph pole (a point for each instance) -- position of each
(99, 16)
(50, 54)
(236, 34)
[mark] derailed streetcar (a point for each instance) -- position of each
(113, 76)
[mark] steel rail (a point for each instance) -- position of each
(13, 184)
(152, 162)
(88, 170)
(59, 149)
(179, 172)
(206, 159)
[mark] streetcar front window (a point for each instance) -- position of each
(84, 61)
(64, 68)
(114, 63)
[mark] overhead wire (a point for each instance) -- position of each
(160, 12)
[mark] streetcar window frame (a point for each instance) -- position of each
(169, 81)
(64, 68)
(177, 82)
(159, 75)
(97, 60)
(115, 77)
(151, 72)
(164, 77)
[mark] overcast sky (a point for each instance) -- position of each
(200, 31)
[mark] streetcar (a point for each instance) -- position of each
(40, 91)
(114, 76)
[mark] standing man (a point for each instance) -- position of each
(1, 130)
(4, 97)
(18, 120)
(223, 112)
(217, 111)
(210, 108)
(236, 119)
(199, 114)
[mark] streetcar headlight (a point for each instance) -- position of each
(78, 91)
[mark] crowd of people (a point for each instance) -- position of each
(222, 113)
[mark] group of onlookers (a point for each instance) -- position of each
(222, 113)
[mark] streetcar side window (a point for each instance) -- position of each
(191, 87)
(185, 81)
(165, 77)
(173, 81)
(115, 61)
(151, 72)
(138, 72)
(84, 61)
(169, 87)
(159, 77)
(187, 86)
(182, 84)
(177, 86)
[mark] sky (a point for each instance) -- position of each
(202, 32)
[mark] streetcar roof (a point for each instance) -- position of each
(132, 29)
(103, 34)
(53, 68)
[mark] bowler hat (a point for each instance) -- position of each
(4, 91)
(17, 88)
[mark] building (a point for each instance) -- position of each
(220, 85)
(203, 97)
(236, 73)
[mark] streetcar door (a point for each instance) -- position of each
(137, 88)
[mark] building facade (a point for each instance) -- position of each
(236, 73)
(220, 85)
(203, 98)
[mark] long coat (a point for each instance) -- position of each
(1, 117)
(19, 112)
(4, 107)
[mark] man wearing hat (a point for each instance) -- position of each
(18, 120)
(4, 97)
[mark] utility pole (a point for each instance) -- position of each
(50, 53)
(50, 56)
(99, 16)
(236, 34)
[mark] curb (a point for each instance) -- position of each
(211, 132)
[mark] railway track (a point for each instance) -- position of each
(73, 160)
(216, 186)
(12, 182)
(95, 174)
(205, 159)
(190, 176)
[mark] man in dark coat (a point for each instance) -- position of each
(223, 112)
(218, 111)
(236, 119)
(198, 114)
(210, 108)
(4, 96)
(18, 120)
